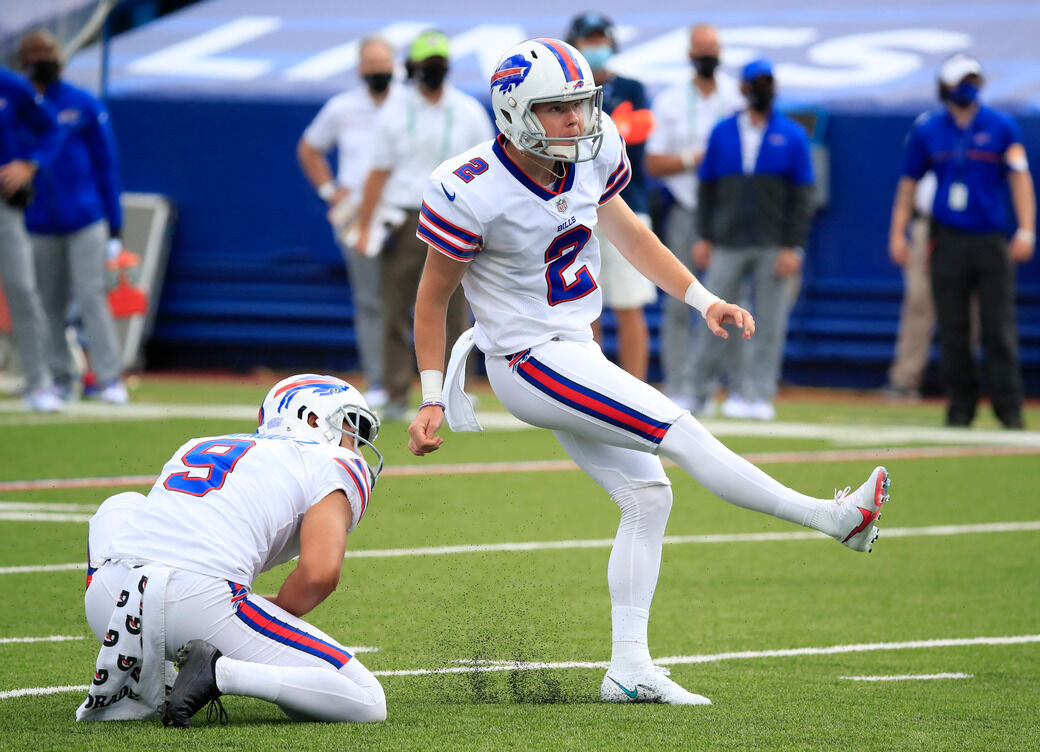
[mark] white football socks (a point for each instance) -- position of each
(732, 478)
(635, 562)
(305, 692)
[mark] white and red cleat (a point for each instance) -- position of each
(855, 514)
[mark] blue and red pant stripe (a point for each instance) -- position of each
(591, 402)
(260, 621)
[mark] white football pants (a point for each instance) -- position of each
(270, 653)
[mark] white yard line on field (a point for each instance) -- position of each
(879, 454)
(496, 666)
(908, 677)
(49, 638)
(475, 548)
(12, 412)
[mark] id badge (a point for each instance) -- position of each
(958, 197)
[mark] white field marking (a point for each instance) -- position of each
(43, 691)
(16, 414)
(489, 666)
(476, 548)
(29, 506)
(362, 649)
(535, 466)
(13, 413)
(50, 638)
(907, 677)
(492, 666)
(43, 517)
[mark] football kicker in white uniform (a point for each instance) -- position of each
(223, 510)
(512, 221)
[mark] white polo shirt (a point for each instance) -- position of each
(413, 136)
(348, 122)
(684, 120)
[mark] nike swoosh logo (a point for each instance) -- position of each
(630, 692)
(451, 196)
(868, 517)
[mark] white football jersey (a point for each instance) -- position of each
(533, 258)
(231, 506)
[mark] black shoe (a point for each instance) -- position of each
(196, 684)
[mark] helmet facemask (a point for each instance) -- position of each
(530, 136)
(363, 428)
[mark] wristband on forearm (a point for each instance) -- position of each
(327, 190)
(697, 296)
(1025, 235)
(432, 382)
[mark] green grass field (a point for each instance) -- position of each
(714, 599)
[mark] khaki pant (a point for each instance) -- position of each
(402, 265)
(917, 315)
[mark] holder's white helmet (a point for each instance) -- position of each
(287, 407)
(546, 70)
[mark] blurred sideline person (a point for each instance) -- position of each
(518, 237)
(74, 222)
(625, 291)
(684, 116)
(347, 122)
(754, 206)
(24, 110)
(976, 153)
(917, 312)
(182, 561)
(415, 132)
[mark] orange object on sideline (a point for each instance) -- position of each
(124, 299)
(633, 125)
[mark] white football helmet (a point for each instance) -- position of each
(546, 70)
(287, 407)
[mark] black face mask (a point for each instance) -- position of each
(378, 82)
(760, 95)
(705, 65)
(43, 72)
(432, 76)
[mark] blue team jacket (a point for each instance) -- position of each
(27, 128)
(81, 185)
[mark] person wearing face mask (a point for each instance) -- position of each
(75, 221)
(348, 123)
(753, 212)
(24, 112)
(625, 290)
(976, 154)
(414, 133)
(684, 115)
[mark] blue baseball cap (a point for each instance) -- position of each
(756, 68)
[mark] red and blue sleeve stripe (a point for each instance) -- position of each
(260, 621)
(359, 479)
(617, 180)
(571, 69)
(591, 402)
(446, 237)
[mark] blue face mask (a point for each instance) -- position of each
(964, 94)
(598, 56)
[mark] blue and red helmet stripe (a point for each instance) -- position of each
(571, 68)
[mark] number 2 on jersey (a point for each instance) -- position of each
(217, 456)
(560, 254)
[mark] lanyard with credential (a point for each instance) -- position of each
(446, 136)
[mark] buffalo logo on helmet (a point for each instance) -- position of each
(126, 662)
(133, 625)
(100, 676)
(123, 598)
(111, 638)
(321, 389)
(511, 73)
